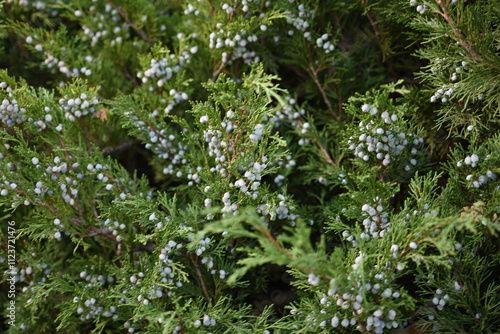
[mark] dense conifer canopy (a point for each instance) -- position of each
(249, 166)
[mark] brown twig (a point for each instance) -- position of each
(274, 242)
(373, 23)
(112, 179)
(97, 231)
(124, 15)
(200, 277)
(322, 148)
(212, 8)
(46, 205)
(217, 71)
(407, 249)
(117, 149)
(461, 39)
(129, 76)
(151, 125)
(325, 153)
(314, 76)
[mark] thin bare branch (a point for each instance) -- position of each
(458, 33)
(131, 23)
(200, 277)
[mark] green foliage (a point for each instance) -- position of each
(249, 166)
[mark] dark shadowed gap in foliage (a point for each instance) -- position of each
(278, 291)
(134, 157)
(18, 61)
